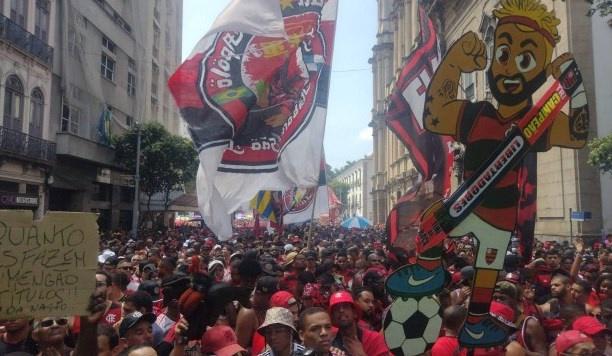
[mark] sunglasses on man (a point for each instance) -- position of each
(50, 322)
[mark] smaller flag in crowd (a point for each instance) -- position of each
(266, 206)
(304, 204)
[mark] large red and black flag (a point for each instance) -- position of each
(254, 93)
(429, 152)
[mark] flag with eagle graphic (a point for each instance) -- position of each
(254, 94)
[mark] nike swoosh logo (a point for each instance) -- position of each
(473, 335)
(415, 283)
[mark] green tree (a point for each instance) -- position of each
(329, 172)
(167, 162)
(602, 7)
(600, 155)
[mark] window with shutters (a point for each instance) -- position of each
(154, 78)
(108, 44)
(13, 103)
(107, 67)
(19, 12)
(41, 27)
(131, 84)
(37, 105)
(71, 117)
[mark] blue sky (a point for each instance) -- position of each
(347, 135)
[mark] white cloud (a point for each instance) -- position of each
(366, 134)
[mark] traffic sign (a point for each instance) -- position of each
(580, 215)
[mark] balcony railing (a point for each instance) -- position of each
(25, 41)
(26, 146)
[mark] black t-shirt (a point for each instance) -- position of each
(27, 346)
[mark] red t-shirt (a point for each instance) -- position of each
(594, 299)
(110, 318)
(113, 314)
(374, 343)
(258, 344)
(447, 346)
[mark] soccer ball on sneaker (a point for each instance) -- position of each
(412, 325)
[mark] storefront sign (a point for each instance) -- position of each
(8, 199)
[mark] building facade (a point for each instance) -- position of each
(111, 73)
(565, 180)
(394, 172)
(602, 57)
(358, 198)
(27, 153)
(79, 72)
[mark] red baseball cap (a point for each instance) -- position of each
(221, 341)
(589, 325)
(339, 298)
(456, 278)
(503, 313)
(568, 339)
(342, 297)
(282, 299)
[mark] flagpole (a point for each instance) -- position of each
(136, 207)
(314, 205)
(281, 218)
(256, 226)
(309, 243)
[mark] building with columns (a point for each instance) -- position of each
(565, 180)
(27, 150)
(394, 173)
(358, 199)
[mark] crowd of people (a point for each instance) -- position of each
(183, 292)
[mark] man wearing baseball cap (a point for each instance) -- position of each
(594, 329)
(574, 342)
(351, 338)
(286, 300)
(280, 333)
(136, 329)
(249, 320)
(221, 341)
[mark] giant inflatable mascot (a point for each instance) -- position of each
(540, 103)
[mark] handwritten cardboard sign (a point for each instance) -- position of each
(47, 268)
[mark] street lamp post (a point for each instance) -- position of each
(136, 208)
